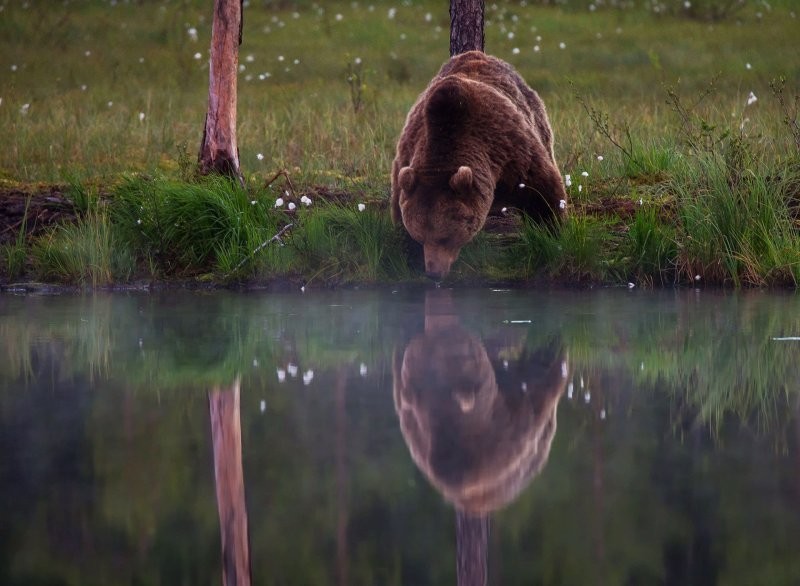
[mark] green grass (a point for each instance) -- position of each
(88, 252)
(651, 106)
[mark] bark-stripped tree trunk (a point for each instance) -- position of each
(218, 151)
(466, 26)
(226, 435)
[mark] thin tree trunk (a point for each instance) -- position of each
(218, 151)
(226, 435)
(466, 26)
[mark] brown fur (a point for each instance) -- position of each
(478, 428)
(477, 137)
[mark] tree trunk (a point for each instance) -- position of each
(218, 151)
(226, 436)
(466, 26)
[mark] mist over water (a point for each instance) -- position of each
(401, 437)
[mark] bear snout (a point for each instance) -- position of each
(438, 261)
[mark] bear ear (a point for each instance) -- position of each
(407, 179)
(461, 181)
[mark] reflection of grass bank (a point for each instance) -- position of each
(703, 187)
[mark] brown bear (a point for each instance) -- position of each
(479, 427)
(478, 137)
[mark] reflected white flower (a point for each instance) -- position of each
(279, 202)
(570, 390)
(505, 364)
(255, 362)
(524, 387)
(362, 370)
(697, 277)
(281, 375)
(262, 406)
(522, 186)
(631, 285)
(602, 414)
(564, 369)
(587, 396)
(291, 369)
(308, 376)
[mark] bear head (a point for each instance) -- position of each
(443, 212)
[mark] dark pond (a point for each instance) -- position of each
(412, 437)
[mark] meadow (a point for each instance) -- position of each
(675, 123)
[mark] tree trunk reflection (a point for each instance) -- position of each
(226, 434)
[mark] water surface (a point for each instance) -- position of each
(400, 437)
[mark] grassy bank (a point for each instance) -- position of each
(679, 138)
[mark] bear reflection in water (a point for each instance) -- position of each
(477, 420)
(478, 417)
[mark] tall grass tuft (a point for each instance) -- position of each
(735, 225)
(574, 251)
(186, 227)
(15, 254)
(339, 243)
(651, 247)
(88, 252)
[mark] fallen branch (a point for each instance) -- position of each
(285, 174)
(261, 247)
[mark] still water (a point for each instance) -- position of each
(401, 437)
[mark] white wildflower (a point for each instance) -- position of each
(748, 66)
(198, 56)
(562, 45)
(585, 174)
(562, 204)
(599, 157)
(362, 370)
(281, 375)
(751, 99)
(568, 180)
(308, 376)
(392, 13)
(515, 51)
(262, 406)
(305, 200)
(24, 109)
(260, 156)
(253, 202)
(291, 369)
(361, 207)
(291, 206)
(141, 116)
(522, 186)
(279, 202)
(192, 32)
